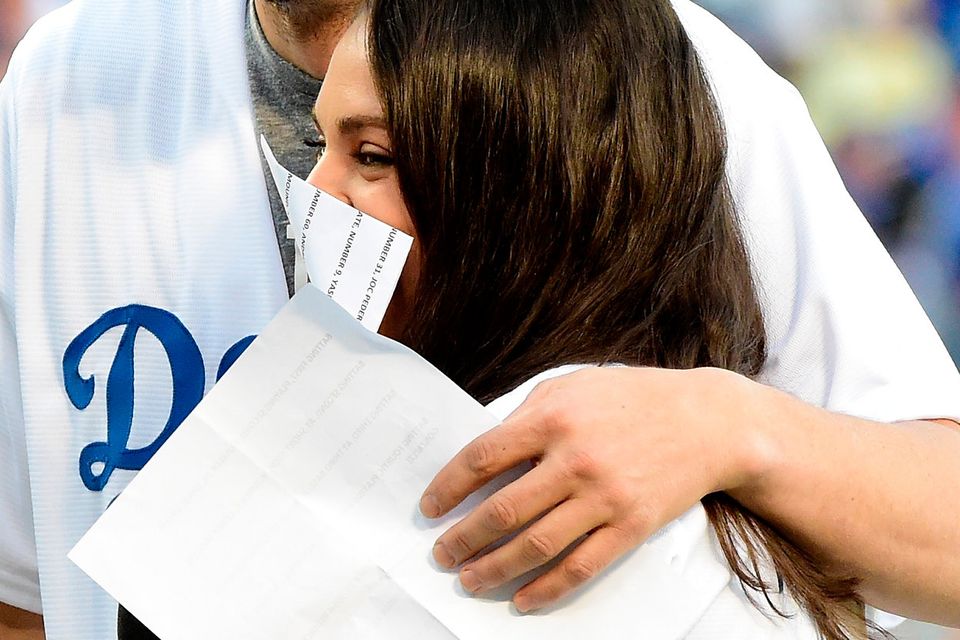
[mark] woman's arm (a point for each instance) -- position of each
(624, 451)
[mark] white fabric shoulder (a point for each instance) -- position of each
(136, 230)
(844, 330)
(508, 403)
(19, 579)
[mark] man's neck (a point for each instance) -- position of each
(311, 55)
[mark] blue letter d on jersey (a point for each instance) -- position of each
(186, 369)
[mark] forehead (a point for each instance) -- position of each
(348, 87)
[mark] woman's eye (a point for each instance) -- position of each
(374, 156)
(319, 145)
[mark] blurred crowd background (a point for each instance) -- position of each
(882, 80)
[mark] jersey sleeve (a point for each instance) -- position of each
(19, 580)
(844, 330)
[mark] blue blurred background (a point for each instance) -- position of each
(881, 80)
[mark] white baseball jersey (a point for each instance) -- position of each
(137, 257)
(138, 254)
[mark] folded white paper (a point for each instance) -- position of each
(285, 506)
(353, 257)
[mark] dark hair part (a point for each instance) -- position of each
(564, 166)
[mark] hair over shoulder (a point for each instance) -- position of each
(564, 166)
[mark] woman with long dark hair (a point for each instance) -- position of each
(561, 166)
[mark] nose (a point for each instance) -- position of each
(327, 176)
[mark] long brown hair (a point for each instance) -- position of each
(564, 165)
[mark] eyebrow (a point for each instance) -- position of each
(352, 124)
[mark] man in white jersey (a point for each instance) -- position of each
(176, 351)
(138, 257)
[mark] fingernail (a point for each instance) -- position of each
(442, 556)
(522, 603)
(470, 581)
(430, 506)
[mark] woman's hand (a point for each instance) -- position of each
(621, 452)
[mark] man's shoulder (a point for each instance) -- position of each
(86, 40)
(52, 38)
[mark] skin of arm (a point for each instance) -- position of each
(873, 499)
(623, 451)
(17, 624)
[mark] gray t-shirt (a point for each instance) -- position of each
(283, 97)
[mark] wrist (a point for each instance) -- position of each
(749, 433)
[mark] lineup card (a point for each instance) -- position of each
(285, 506)
(350, 255)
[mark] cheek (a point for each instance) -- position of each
(395, 216)
(383, 201)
